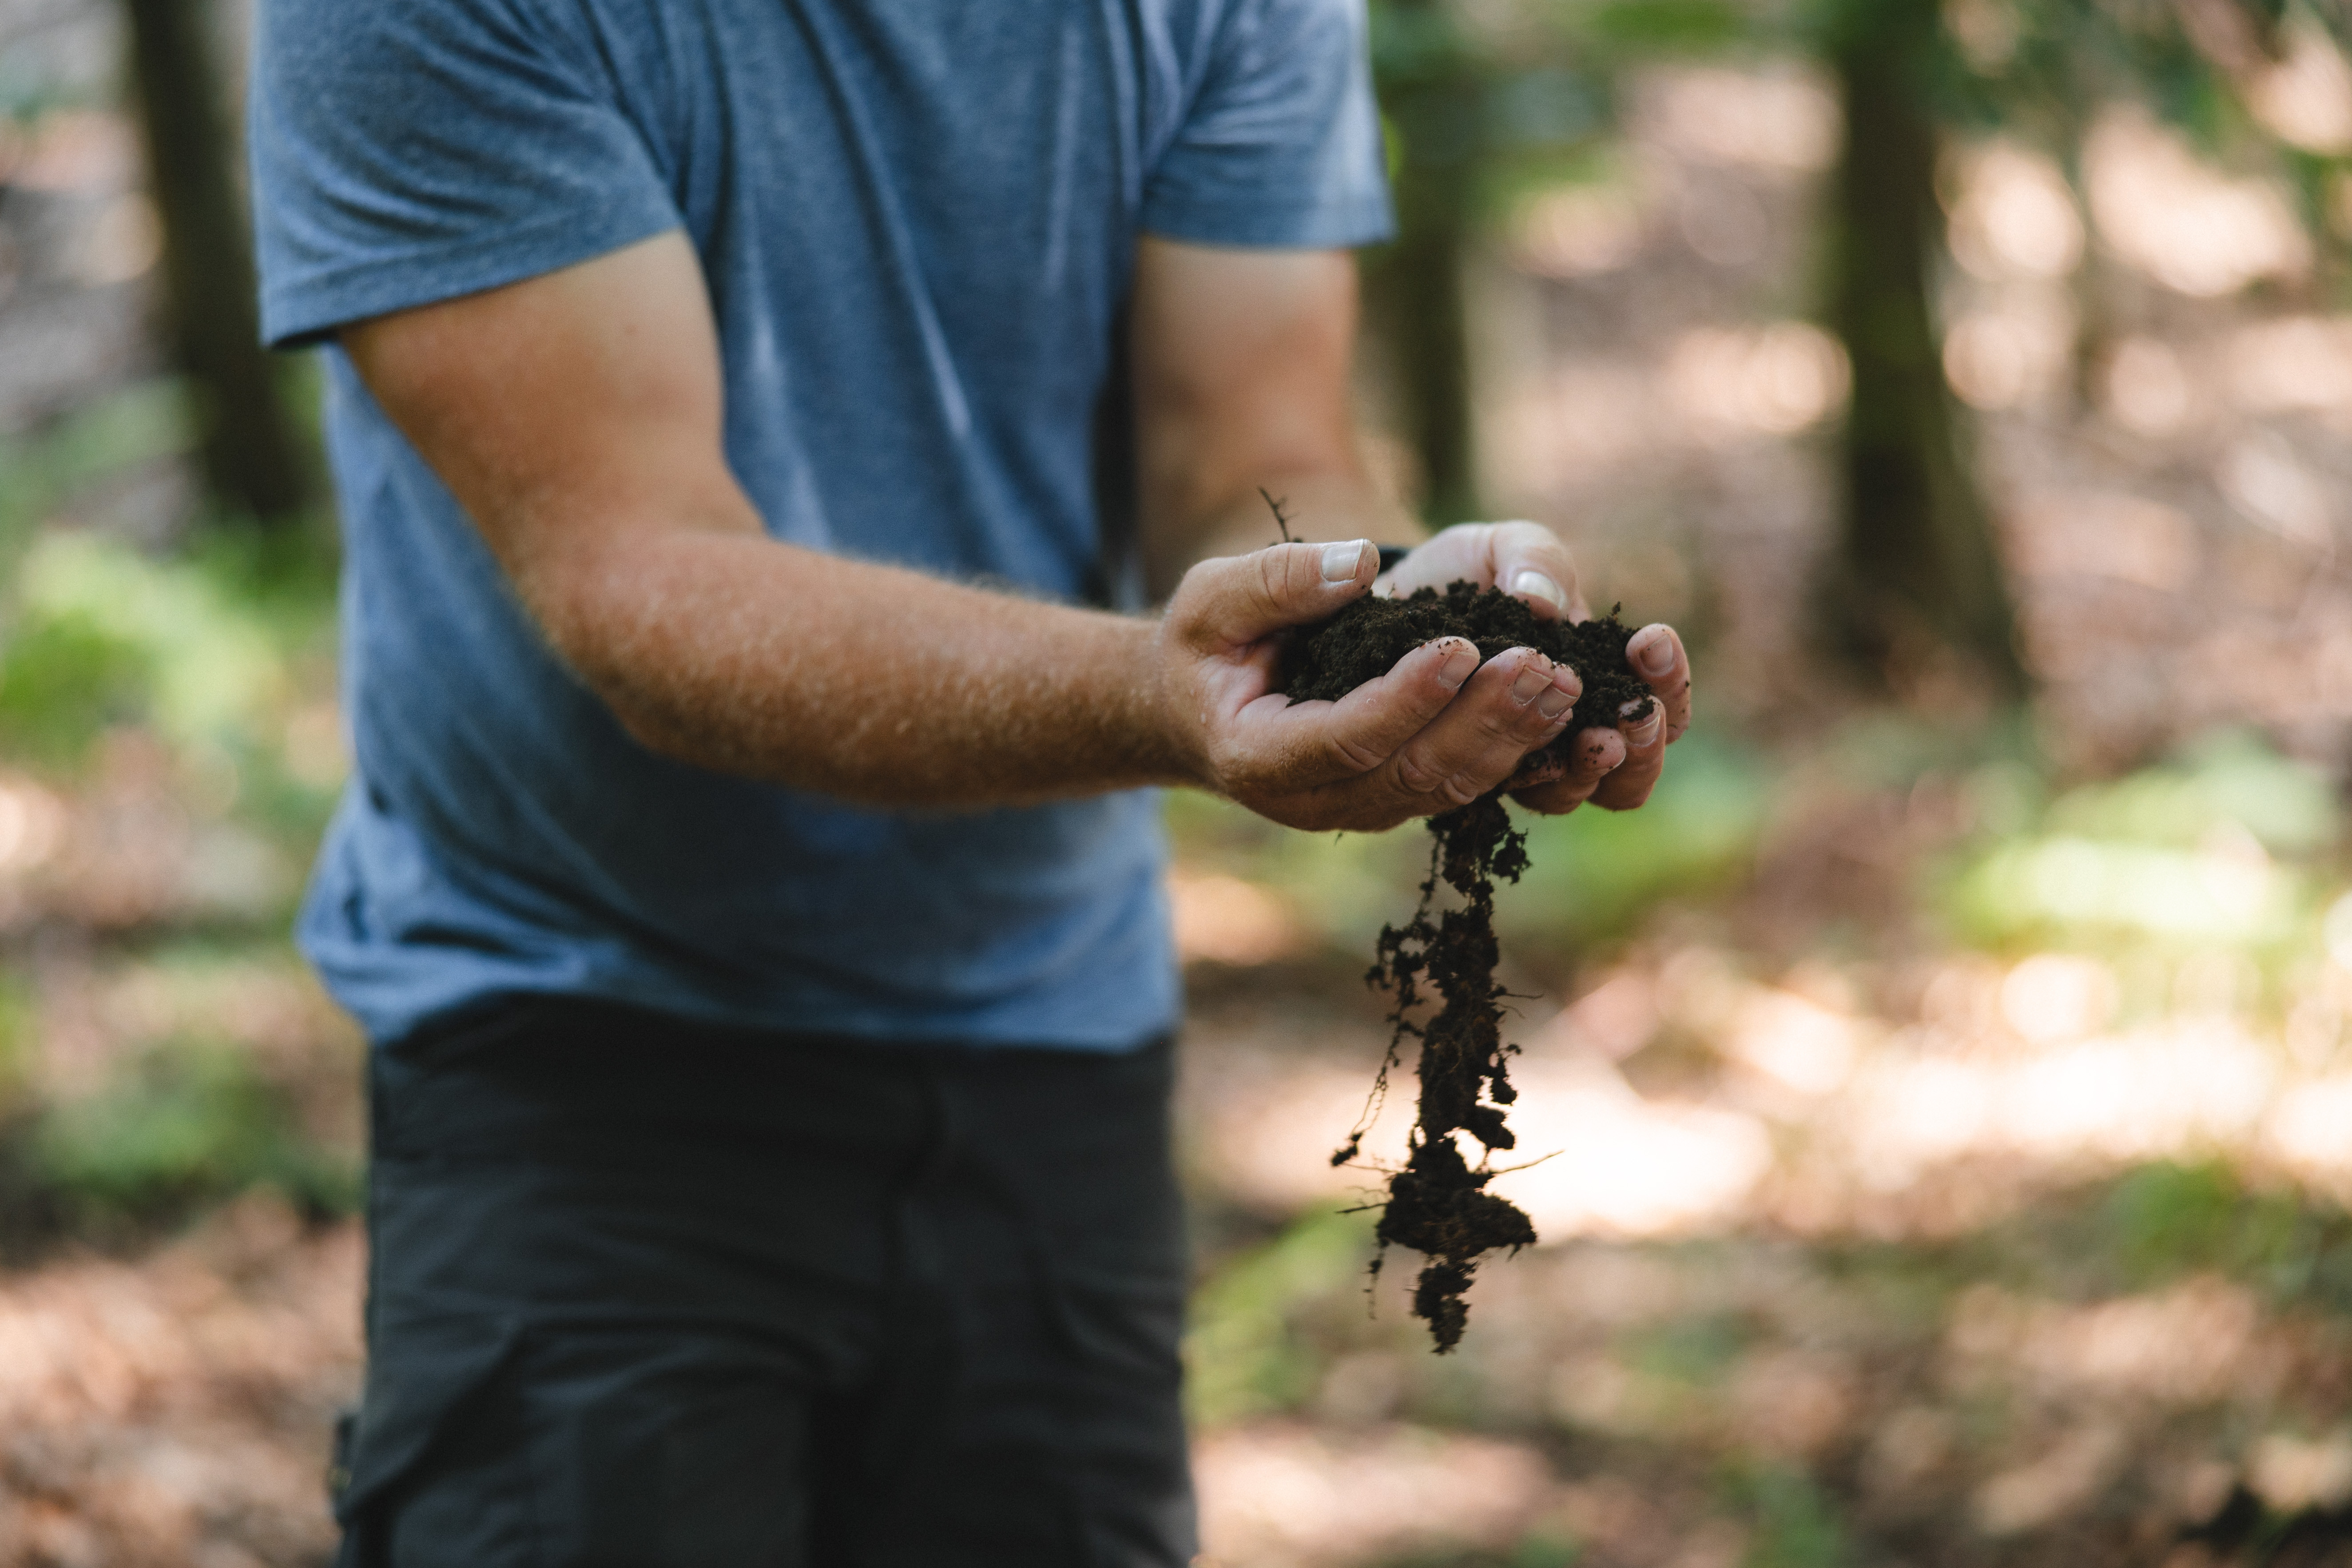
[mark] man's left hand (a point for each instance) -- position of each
(1613, 767)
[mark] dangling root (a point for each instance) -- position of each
(1437, 1204)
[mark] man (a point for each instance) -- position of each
(750, 419)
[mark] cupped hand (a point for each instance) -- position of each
(1617, 768)
(1526, 560)
(1438, 731)
(1613, 767)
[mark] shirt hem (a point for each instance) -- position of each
(307, 308)
(472, 1009)
(1327, 226)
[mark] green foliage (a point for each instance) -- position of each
(2037, 71)
(1693, 1352)
(38, 473)
(1632, 27)
(1796, 1524)
(1346, 884)
(17, 1041)
(190, 1122)
(63, 678)
(30, 83)
(1595, 873)
(2232, 778)
(2059, 887)
(1460, 105)
(2163, 1221)
(1246, 1352)
(2215, 848)
(206, 667)
(1539, 1549)
(2034, 70)
(2166, 1219)
(211, 651)
(1545, 1549)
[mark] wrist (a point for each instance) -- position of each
(1172, 734)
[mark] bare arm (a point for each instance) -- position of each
(577, 417)
(1241, 383)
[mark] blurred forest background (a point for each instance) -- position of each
(1945, 1080)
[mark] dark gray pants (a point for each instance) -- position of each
(649, 1293)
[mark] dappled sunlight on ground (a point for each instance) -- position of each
(1231, 921)
(1938, 1121)
(1601, 1159)
(2187, 226)
(174, 1409)
(1861, 1108)
(1289, 1496)
(2027, 1242)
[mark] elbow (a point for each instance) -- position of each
(647, 712)
(656, 732)
(605, 641)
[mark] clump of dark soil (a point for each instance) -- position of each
(1364, 640)
(1437, 1203)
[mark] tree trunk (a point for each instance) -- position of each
(1916, 568)
(1417, 292)
(254, 466)
(1432, 92)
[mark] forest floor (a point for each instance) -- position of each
(1941, 1107)
(1937, 1255)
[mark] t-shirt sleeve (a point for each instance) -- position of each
(1282, 143)
(410, 150)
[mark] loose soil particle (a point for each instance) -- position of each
(1437, 1202)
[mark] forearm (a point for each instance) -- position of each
(578, 416)
(866, 682)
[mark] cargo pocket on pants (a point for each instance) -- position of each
(429, 1382)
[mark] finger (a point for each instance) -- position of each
(1308, 744)
(1528, 561)
(1231, 600)
(1372, 724)
(1657, 656)
(1522, 558)
(1518, 701)
(1554, 797)
(1591, 756)
(1545, 767)
(1449, 554)
(1629, 784)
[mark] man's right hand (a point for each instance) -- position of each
(1436, 732)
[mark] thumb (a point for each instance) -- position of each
(1233, 600)
(1531, 564)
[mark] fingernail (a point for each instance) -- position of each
(1564, 676)
(1647, 731)
(1457, 667)
(1554, 703)
(1535, 677)
(1536, 585)
(1340, 560)
(1656, 657)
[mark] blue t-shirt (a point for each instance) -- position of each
(917, 220)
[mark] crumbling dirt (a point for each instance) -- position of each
(1364, 641)
(1437, 1202)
